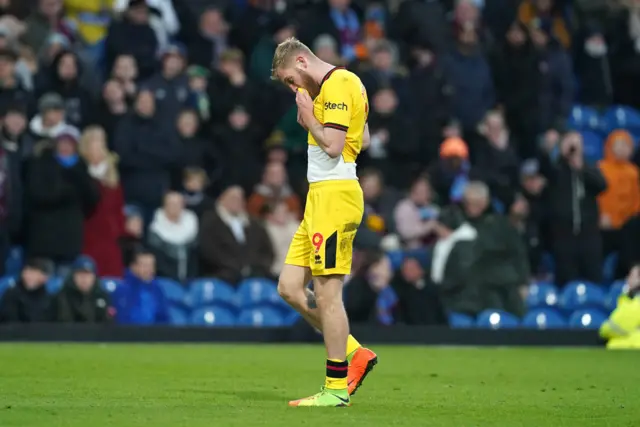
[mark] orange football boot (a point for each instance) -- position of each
(362, 363)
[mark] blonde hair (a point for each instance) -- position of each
(285, 51)
(91, 133)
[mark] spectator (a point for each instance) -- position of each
(274, 189)
(433, 107)
(133, 35)
(450, 174)
(112, 108)
(470, 77)
(386, 72)
(46, 19)
(81, 299)
(368, 297)
(171, 85)
(621, 200)
(172, 238)
(338, 19)
(64, 80)
(134, 232)
(163, 19)
(556, 88)
(231, 87)
(379, 202)
(104, 226)
(55, 43)
(281, 225)
(394, 147)
(573, 213)
(148, 150)
(139, 299)
(416, 216)
(14, 134)
(592, 67)
(479, 261)
(12, 91)
(232, 245)
(91, 20)
(546, 15)
(11, 196)
(207, 38)
(198, 152)
(517, 75)
(325, 47)
(60, 193)
(496, 159)
(624, 35)
(51, 120)
(199, 91)
(195, 182)
(536, 226)
(280, 29)
(520, 218)
(418, 299)
(240, 147)
(125, 72)
(28, 301)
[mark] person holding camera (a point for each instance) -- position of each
(573, 214)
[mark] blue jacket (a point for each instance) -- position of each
(140, 303)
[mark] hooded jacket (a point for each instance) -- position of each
(621, 200)
(73, 306)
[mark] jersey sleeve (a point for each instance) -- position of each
(338, 103)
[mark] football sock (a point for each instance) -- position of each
(336, 374)
(352, 346)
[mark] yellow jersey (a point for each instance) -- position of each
(341, 104)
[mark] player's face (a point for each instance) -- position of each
(297, 77)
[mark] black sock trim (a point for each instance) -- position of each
(337, 369)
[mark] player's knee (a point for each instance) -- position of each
(288, 290)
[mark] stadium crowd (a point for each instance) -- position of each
(144, 139)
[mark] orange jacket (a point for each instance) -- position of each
(621, 199)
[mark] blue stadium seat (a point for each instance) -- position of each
(213, 316)
(621, 117)
(110, 284)
(459, 320)
(497, 319)
(5, 283)
(258, 292)
(14, 261)
(581, 295)
(584, 118)
(544, 318)
(587, 319)
(178, 316)
(593, 146)
(204, 292)
(611, 298)
(548, 263)
(542, 295)
(260, 317)
(396, 258)
(609, 268)
(172, 290)
(54, 284)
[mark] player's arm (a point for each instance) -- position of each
(338, 108)
(366, 138)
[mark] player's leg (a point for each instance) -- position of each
(292, 288)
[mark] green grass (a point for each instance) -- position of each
(217, 385)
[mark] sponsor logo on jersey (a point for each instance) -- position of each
(335, 106)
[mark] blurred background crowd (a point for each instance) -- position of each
(143, 139)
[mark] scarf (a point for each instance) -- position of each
(99, 171)
(349, 29)
(182, 232)
(236, 223)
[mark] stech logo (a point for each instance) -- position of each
(334, 106)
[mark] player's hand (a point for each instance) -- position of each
(301, 121)
(305, 106)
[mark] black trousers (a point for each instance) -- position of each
(578, 256)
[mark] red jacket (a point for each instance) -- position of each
(102, 231)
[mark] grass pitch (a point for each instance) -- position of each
(249, 385)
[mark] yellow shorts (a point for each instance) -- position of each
(324, 240)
